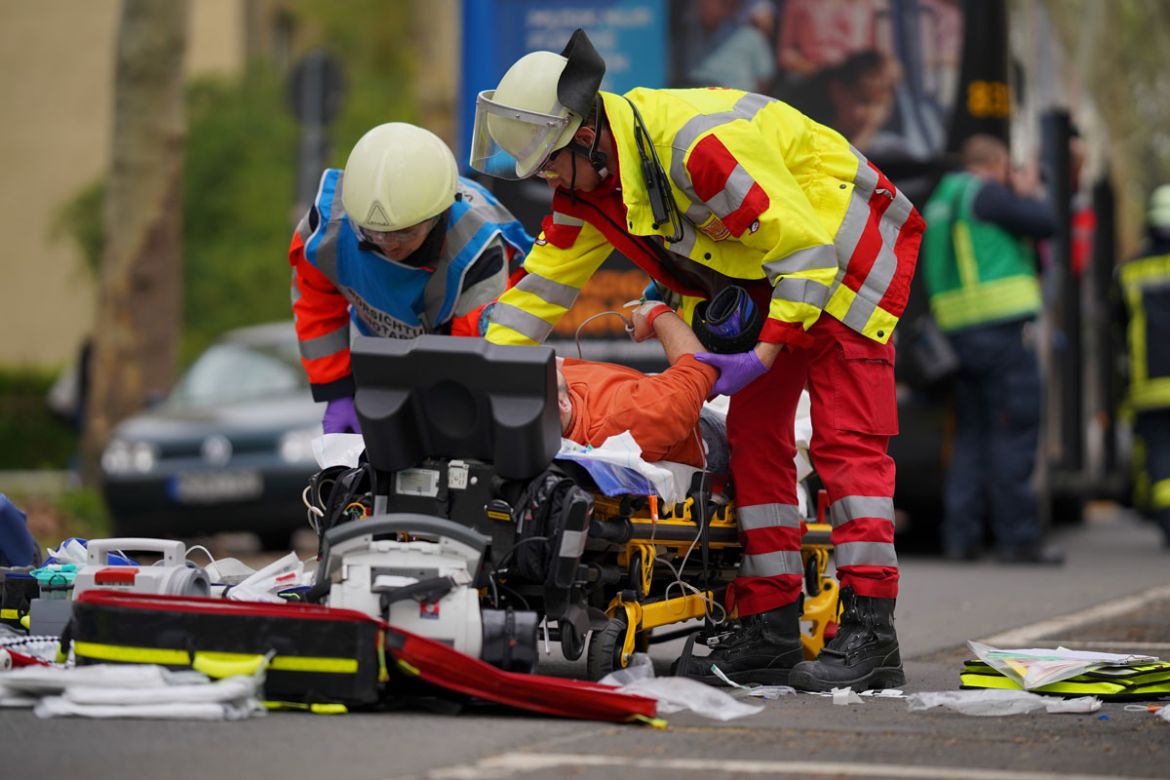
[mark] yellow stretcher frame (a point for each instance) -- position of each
(642, 613)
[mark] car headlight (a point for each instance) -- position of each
(123, 457)
(297, 446)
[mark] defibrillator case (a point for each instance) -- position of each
(18, 588)
(320, 654)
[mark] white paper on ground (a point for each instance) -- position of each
(845, 696)
(995, 702)
(675, 694)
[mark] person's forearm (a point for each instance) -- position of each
(676, 336)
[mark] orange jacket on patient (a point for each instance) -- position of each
(661, 411)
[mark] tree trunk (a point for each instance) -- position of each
(137, 326)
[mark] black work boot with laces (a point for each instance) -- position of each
(762, 650)
(862, 656)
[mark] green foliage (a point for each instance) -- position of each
(372, 41)
(238, 189)
(32, 437)
(83, 513)
(240, 166)
(80, 220)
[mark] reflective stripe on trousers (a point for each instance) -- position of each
(851, 384)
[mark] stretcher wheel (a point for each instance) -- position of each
(572, 644)
(812, 576)
(605, 649)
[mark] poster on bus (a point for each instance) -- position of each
(889, 75)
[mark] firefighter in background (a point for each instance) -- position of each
(396, 245)
(1144, 284)
(702, 189)
(980, 274)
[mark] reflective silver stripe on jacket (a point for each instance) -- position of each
(771, 564)
(808, 259)
(549, 290)
(865, 554)
(799, 290)
(521, 321)
(560, 218)
(325, 250)
(753, 518)
(323, 346)
(738, 183)
(852, 507)
(459, 235)
(849, 234)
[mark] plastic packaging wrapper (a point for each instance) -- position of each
(675, 694)
(338, 449)
(287, 572)
(1036, 667)
(73, 550)
(995, 702)
(845, 696)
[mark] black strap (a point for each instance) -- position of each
(429, 590)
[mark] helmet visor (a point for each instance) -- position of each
(512, 143)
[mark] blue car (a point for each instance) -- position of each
(229, 449)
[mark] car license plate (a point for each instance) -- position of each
(209, 487)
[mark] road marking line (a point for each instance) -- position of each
(507, 765)
(1025, 635)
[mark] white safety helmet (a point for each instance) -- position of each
(1158, 215)
(537, 107)
(397, 176)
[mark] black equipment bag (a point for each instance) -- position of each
(17, 590)
(322, 655)
(552, 523)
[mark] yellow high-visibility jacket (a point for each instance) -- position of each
(766, 194)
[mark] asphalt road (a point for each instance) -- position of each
(1116, 582)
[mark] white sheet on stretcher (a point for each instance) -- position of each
(671, 480)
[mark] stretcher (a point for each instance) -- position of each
(672, 562)
(468, 432)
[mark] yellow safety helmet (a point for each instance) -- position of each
(1158, 215)
(537, 107)
(397, 176)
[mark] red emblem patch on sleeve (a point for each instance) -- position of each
(560, 236)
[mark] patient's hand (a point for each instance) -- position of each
(643, 318)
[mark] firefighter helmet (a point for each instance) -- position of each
(537, 107)
(397, 176)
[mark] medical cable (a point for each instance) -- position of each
(629, 325)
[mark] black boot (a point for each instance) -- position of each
(762, 650)
(863, 655)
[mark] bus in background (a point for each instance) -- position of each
(906, 81)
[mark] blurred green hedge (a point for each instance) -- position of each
(31, 437)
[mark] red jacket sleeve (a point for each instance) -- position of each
(321, 313)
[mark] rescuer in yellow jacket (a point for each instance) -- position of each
(703, 189)
(1143, 284)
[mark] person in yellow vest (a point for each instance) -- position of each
(980, 273)
(1144, 284)
(705, 189)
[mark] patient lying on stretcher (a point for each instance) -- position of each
(664, 412)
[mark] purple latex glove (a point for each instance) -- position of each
(340, 416)
(736, 371)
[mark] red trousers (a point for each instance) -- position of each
(850, 379)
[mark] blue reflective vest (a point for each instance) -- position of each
(399, 301)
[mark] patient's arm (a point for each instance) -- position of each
(656, 319)
(676, 336)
